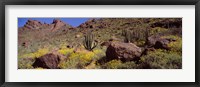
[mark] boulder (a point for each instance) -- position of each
(152, 40)
(162, 44)
(49, 61)
(106, 43)
(123, 51)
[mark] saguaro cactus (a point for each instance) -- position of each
(89, 42)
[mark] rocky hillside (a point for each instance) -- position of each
(102, 43)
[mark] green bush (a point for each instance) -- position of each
(158, 30)
(175, 46)
(117, 64)
(161, 59)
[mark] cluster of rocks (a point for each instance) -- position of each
(33, 24)
(129, 51)
(158, 42)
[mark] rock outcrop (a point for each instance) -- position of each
(32, 24)
(57, 24)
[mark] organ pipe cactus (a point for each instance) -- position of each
(127, 36)
(89, 42)
(136, 34)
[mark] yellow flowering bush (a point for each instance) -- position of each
(81, 59)
(41, 52)
(175, 46)
(36, 54)
(82, 56)
(66, 51)
(99, 53)
(113, 64)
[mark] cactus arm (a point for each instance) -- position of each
(95, 45)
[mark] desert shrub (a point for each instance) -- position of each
(36, 54)
(99, 53)
(129, 65)
(41, 52)
(161, 59)
(66, 51)
(78, 60)
(158, 30)
(175, 46)
(68, 64)
(140, 43)
(113, 64)
(25, 63)
(81, 59)
(118, 64)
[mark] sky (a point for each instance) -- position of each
(71, 21)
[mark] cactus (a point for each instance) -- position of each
(123, 32)
(147, 34)
(89, 42)
(137, 34)
(128, 36)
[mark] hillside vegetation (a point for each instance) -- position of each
(103, 43)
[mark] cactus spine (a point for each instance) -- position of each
(89, 42)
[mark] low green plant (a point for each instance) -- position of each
(118, 64)
(113, 64)
(175, 46)
(161, 59)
